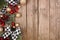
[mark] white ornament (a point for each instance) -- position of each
(16, 24)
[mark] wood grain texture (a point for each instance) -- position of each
(40, 20)
(22, 21)
(43, 19)
(58, 18)
(53, 20)
(30, 20)
(35, 20)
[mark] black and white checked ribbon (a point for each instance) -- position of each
(14, 34)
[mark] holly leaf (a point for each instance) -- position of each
(2, 3)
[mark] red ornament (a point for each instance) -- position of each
(1, 38)
(7, 38)
(14, 9)
(2, 22)
(13, 23)
(5, 17)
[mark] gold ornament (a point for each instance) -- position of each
(8, 9)
(1, 15)
(1, 29)
(19, 6)
(18, 15)
(23, 2)
(17, 24)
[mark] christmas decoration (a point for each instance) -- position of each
(1, 15)
(13, 25)
(14, 34)
(1, 29)
(19, 6)
(12, 2)
(16, 24)
(2, 23)
(9, 29)
(2, 3)
(5, 17)
(7, 38)
(14, 9)
(18, 15)
(8, 9)
(1, 38)
(4, 10)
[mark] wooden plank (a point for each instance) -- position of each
(22, 21)
(58, 18)
(43, 19)
(30, 5)
(53, 20)
(35, 20)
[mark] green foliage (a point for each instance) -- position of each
(1, 33)
(11, 19)
(2, 3)
(19, 37)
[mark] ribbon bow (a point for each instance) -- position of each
(14, 34)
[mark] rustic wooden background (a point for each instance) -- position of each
(40, 20)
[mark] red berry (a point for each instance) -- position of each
(13, 23)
